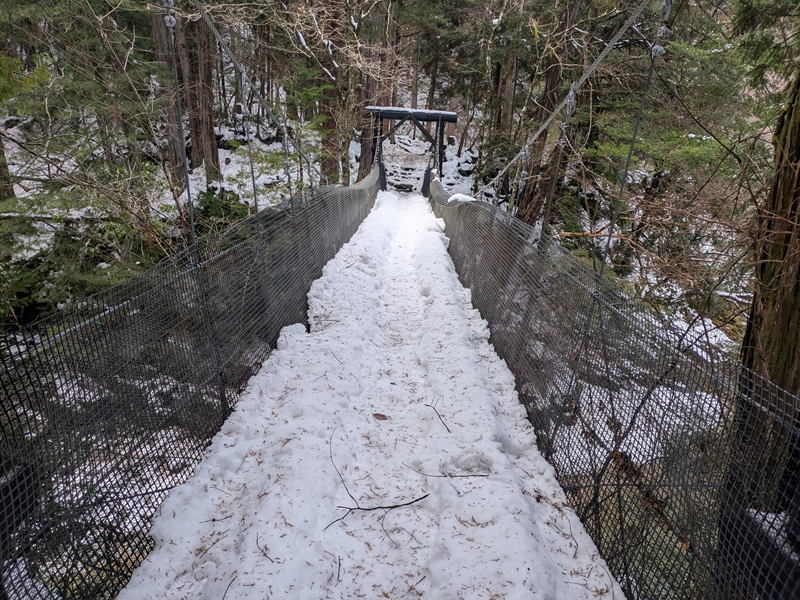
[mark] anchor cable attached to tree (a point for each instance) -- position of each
(575, 87)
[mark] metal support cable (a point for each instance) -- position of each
(656, 50)
(240, 68)
(287, 168)
(170, 21)
(252, 171)
(625, 172)
(439, 144)
(572, 104)
(574, 88)
(246, 125)
(549, 205)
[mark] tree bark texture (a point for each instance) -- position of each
(771, 345)
(205, 77)
(6, 184)
(368, 127)
(161, 40)
(330, 144)
(188, 91)
(332, 151)
(535, 188)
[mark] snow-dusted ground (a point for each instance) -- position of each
(383, 454)
(407, 159)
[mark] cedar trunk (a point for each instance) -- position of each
(175, 172)
(772, 340)
(205, 93)
(771, 345)
(763, 472)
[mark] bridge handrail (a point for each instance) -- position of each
(106, 406)
(682, 464)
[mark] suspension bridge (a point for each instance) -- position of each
(673, 460)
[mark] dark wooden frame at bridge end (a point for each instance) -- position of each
(416, 116)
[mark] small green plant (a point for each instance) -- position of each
(221, 205)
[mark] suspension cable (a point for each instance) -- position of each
(170, 21)
(625, 172)
(574, 88)
(656, 50)
(240, 68)
(572, 104)
(246, 125)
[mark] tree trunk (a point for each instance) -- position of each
(509, 87)
(368, 128)
(6, 184)
(205, 93)
(223, 96)
(430, 103)
(764, 473)
(415, 83)
(330, 145)
(771, 345)
(175, 172)
(187, 73)
(335, 92)
(535, 188)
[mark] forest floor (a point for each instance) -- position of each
(382, 454)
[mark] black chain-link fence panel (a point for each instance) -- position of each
(106, 407)
(683, 466)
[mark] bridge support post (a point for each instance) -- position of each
(417, 117)
(381, 166)
(440, 145)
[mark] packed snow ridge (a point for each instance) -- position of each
(382, 455)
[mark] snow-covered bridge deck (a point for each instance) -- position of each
(383, 454)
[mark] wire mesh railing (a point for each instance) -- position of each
(108, 406)
(682, 466)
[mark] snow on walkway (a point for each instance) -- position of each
(395, 399)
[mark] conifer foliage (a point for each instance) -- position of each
(91, 182)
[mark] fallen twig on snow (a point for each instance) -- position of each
(433, 406)
(447, 474)
(263, 550)
(229, 587)
(357, 506)
(330, 448)
(371, 508)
